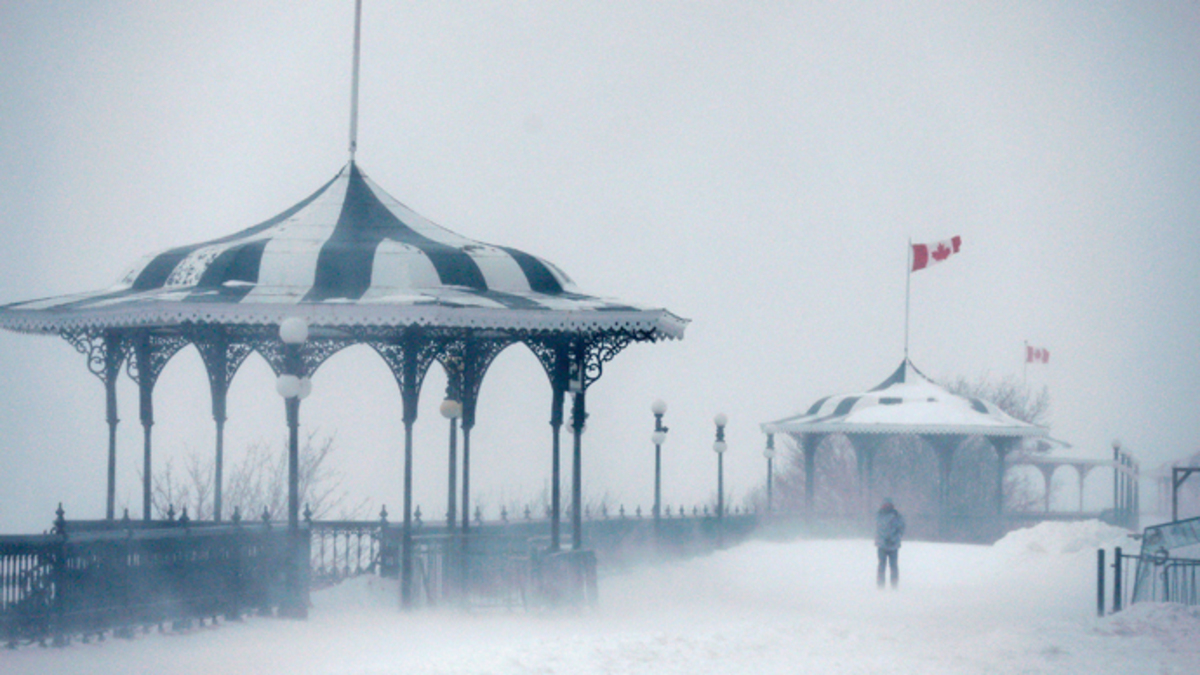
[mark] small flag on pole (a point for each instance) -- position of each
(1036, 354)
(924, 255)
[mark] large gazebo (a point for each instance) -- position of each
(347, 265)
(905, 404)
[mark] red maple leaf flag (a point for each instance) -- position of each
(1036, 354)
(924, 255)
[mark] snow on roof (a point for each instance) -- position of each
(905, 403)
(348, 254)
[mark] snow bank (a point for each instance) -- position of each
(1172, 628)
(1164, 619)
(1061, 538)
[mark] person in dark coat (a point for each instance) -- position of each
(889, 530)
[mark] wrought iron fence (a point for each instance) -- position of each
(1160, 573)
(56, 586)
(504, 564)
(501, 570)
(512, 564)
(485, 569)
(1123, 568)
(115, 577)
(345, 548)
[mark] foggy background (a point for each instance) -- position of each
(756, 167)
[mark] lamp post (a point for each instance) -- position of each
(769, 453)
(659, 408)
(293, 387)
(451, 409)
(719, 447)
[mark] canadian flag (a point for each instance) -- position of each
(1036, 354)
(924, 255)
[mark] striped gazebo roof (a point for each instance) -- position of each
(905, 403)
(349, 254)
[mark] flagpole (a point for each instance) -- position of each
(354, 82)
(907, 287)
(1025, 370)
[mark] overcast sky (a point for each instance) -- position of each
(755, 167)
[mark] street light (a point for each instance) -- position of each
(451, 409)
(659, 408)
(769, 453)
(293, 387)
(719, 447)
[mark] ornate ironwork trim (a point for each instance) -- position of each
(156, 351)
(105, 350)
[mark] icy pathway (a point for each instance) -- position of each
(1025, 605)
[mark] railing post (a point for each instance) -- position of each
(127, 575)
(385, 567)
(237, 581)
(1100, 582)
(58, 576)
(1118, 598)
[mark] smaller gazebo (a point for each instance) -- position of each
(905, 404)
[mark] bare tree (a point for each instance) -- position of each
(836, 479)
(1007, 394)
(976, 463)
(256, 484)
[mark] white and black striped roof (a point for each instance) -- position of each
(349, 254)
(905, 403)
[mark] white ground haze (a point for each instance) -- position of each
(1023, 605)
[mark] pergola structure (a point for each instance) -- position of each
(354, 266)
(905, 404)
(1048, 465)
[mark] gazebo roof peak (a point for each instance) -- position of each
(907, 373)
(348, 254)
(346, 240)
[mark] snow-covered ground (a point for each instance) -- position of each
(1024, 605)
